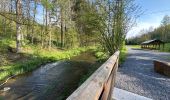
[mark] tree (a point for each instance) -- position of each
(18, 25)
(33, 24)
(72, 23)
(86, 19)
(164, 23)
(117, 17)
(48, 5)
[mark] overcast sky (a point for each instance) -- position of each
(154, 11)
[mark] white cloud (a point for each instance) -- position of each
(142, 25)
(145, 23)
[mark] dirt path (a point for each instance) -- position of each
(137, 75)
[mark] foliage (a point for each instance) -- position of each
(86, 21)
(65, 24)
(101, 56)
(34, 58)
(71, 39)
(166, 48)
(123, 54)
(116, 18)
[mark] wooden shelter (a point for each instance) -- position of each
(152, 44)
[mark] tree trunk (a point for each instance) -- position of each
(10, 25)
(62, 28)
(18, 25)
(35, 7)
(49, 45)
(46, 26)
(28, 16)
(42, 31)
(18, 38)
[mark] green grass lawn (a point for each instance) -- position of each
(135, 46)
(101, 56)
(123, 55)
(166, 48)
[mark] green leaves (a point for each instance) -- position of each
(47, 4)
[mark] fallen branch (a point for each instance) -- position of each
(7, 80)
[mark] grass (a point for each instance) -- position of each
(31, 58)
(166, 48)
(102, 56)
(123, 55)
(135, 46)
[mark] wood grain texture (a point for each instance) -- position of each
(162, 67)
(99, 83)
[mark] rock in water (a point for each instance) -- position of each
(6, 89)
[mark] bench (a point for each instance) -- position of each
(162, 67)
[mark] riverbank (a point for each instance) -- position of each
(33, 57)
(53, 80)
(81, 62)
(30, 62)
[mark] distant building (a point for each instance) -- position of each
(152, 44)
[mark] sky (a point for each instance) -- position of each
(153, 13)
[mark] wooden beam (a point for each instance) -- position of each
(100, 83)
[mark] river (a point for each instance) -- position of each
(54, 81)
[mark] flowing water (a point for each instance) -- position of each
(54, 81)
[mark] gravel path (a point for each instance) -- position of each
(137, 75)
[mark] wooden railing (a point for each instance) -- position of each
(100, 84)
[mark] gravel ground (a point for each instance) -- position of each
(137, 75)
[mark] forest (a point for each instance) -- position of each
(34, 32)
(59, 49)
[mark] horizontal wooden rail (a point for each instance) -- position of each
(100, 84)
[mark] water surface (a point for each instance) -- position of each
(54, 81)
